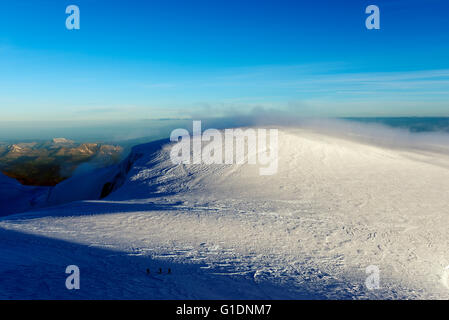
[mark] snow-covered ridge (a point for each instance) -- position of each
(334, 208)
(62, 140)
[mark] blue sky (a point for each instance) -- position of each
(167, 59)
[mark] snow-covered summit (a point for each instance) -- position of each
(334, 208)
(62, 140)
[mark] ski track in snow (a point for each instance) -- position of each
(335, 207)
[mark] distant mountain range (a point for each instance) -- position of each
(50, 162)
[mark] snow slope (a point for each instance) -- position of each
(15, 197)
(335, 207)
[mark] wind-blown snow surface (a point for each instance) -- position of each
(335, 207)
(15, 197)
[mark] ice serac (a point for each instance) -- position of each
(335, 208)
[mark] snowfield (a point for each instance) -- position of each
(15, 197)
(335, 207)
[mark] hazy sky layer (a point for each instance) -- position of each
(174, 59)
